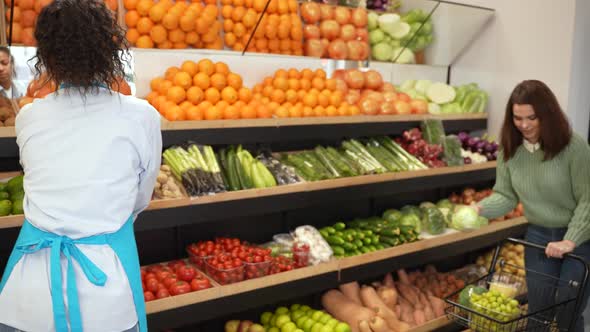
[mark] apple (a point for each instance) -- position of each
(369, 106)
(232, 326)
(282, 320)
(419, 106)
(353, 97)
(332, 322)
(356, 50)
(342, 15)
(273, 329)
(342, 327)
(295, 306)
(347, 32)
(245, 325)
(289, 327)
(388, 87)
(282, 311)
(317, 327)
(355, 79)
(373, 80)
(404, 97)
(402, 107)
(362, 34)
(265, 317)
(324, 318)
(256, 328)
(317, 315)
(310, 11)
(308, 324)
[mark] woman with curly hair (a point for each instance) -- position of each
(90, 157)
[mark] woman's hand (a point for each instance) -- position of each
(559, 248)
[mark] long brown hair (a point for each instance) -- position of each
(554, 128)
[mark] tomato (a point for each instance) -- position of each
(200, 284)
(148, 296)
(237, 262)
(257, 259)
(143, 273)
(186, 273)
(162, 293)
(175, 264)
(161, 275)
(170, 281)
(180, 287)
(162, 286)
(152, 285)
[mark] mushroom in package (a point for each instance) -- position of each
(319, 249)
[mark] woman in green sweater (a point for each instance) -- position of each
(546, 167)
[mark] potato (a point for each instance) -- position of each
(162, 178)
(165, 168)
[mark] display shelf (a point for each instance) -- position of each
(185, 211)
(432, 325)
(224, 300)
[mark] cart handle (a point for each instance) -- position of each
(540, 247)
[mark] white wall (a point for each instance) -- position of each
(530, 39)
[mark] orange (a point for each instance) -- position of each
(174, 114)
(305, 84)
(132, 35)
(239, 30)
(143, 7)
(326, 92)
(222, 68)
(231, 112)
(283, 31)
(262, 111)
(323, 100)
(307, 74)
(229, 94)
(166, 105)
(296, 34)
(259, 5)
(159, 34)
(282, 112)
(301, 94)
(238, 3)
(249, 19)
(228, 25)
(206, 66)
(272, 7)
(310, 100)
(189, 67)
(155, 83)
(248, 112)
(230, 39)
(202, 26)
(318, 83)
(319, 111)
(336, 98)
(331, 111)
(294, 73)
(170, 21)
(176, 36)
(267, 81)
(164, 87)
(159, 102)
(218, 81)
(234, 80)
(183, 80)
(320, 73)
(144, 25)
(180, 45)
(267, 91)
(280, 83)
(354, 110)
(187, 23)
(204, 105)
(278, 96)
(294, 84)
(194, 95)
(213, 113)
(308, 112)
(295, 112)
(191, 38)
(272, 106)
(194, 113)
(25, 4)
(226, 11)
(170, 73)
(245, 95)
(291, 96)
(261, 44)
(131, 18)
(270, 31)
(331, 84)
(185, 105)
(16, 14)
(165, 45)
(111, 4)
(292, 6)
(222, 104)
(130, 4)
(239, 104)
(28, 18)
(212, 95)
(176, 94)
(144, 42)
(281, 73)
(343, 110)
(202, 81)
(273, 45)
(157, 13)
(151, 97)
(238, 13)
(211, 11)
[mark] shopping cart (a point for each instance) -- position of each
(563, 298)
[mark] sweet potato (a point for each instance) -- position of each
(352, 291)
(438, 305)
(376, 284)
(430, 269)
(428, 310)
(419, 317)
(403, 277)
(379, 325)
(406, 311)
(388, 281)
(370, 299)
(397, 309)
(388, 295)
(346, 310)
(408, 293)
(363, 326)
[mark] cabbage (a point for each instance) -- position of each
(387, 23)
(407, 85)
(434, 108)
(373, 19)
(425, 205)
(403, 56)
(411, 209)
(441, 93)
(382, 52)
(392, 215)
(422, 86)
(433, 221)
(452, 108)
(411, 220)
(446, 212)
(444, 203)
(399, 30)
(465, 218)
(376, 36)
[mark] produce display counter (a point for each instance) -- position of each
(223, 300)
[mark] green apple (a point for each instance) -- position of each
(273, 329)
(308, 325)
(305, 308)
(295, 306)
(301, 320)
(256, 328)
(289, 327)
(317, 327)
(326, 329)
(332, 322)
(325, 318)
(232, 326)
(297, 314)
(317, 316)
(273, 320)
(341, 327)
(282, 310)
(265, 317)
(282, 320)
(299, 330)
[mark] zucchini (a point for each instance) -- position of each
(233, 170)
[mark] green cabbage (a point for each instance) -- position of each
(411, 220)
(433, 221)
(444, 203)
(465, 218)
(376, 36)
(382, 52)
(392, 215)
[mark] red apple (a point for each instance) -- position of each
(342, 15)
(330, 29)
(338, 50)
(232, 326)
(244, 326)
(403, 97)
(359, 18)
(402, 107)
(355, 50)
(314, 48)
(419, 106)
(347, 32)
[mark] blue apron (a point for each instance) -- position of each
(32, 239)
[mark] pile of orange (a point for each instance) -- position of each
(25, 16)
(305, 93)
(203, 91)
(279, 32)
(167, 24)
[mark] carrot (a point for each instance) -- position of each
(419, 317)
(345, 310)
(403, 277)
(364, 326)
(388, 295)
(428, 310)
(408, 293)
(351, 291)
(406, 311)
(388, 281)
(438, 305)
(379, 325)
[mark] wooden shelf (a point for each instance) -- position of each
(270, 288)
(334, 120)
(7, 132)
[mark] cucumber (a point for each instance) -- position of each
(367, 241)
(380, 246)
(349, 246)
(324, 233)
(330, 230)
(392, 241)
(335, 240)
(338, 251)
(390, 232)
(232, 171)
(365, 250)
(339, 226)
(372, 248)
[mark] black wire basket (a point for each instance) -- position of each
(557, 311)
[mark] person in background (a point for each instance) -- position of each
(544, 165)
(90, 157)
(7, 74)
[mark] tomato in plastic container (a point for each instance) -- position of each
(300, 254)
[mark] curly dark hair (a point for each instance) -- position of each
(80, 44)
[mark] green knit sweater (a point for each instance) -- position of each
(555, 193)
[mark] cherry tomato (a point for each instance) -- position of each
(186, 273)
(162, 293)
(148, 296)
(180, 287)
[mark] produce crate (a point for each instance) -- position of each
(225, 276)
